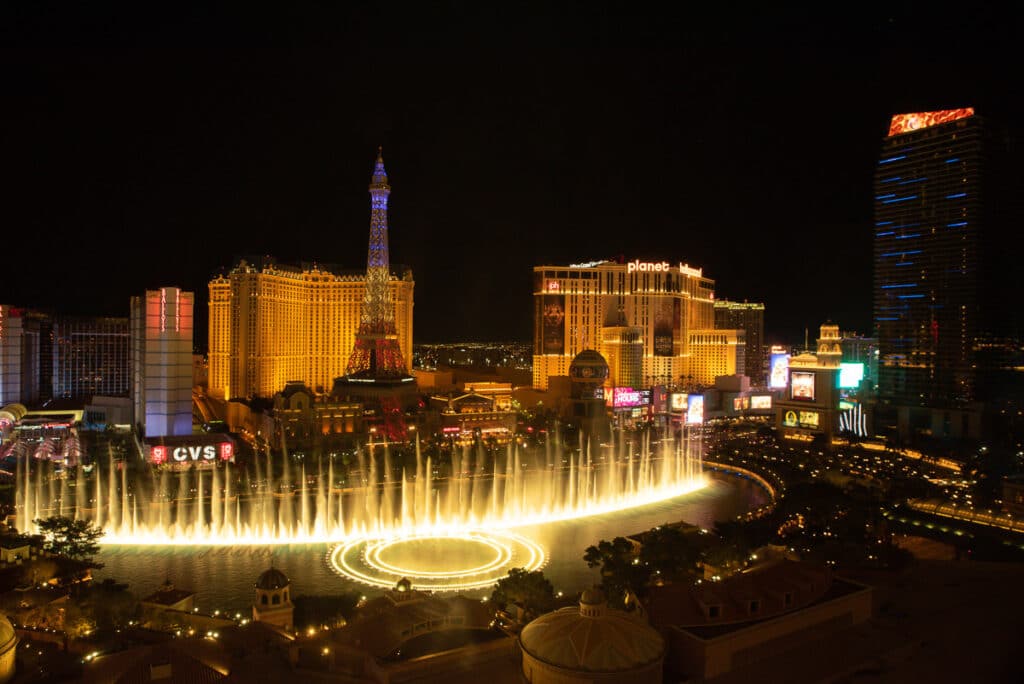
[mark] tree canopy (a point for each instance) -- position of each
(76, 539)
(529, 589)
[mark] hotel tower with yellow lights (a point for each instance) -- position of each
(272, 323)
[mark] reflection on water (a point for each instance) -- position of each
(223, 577)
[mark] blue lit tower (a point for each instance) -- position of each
(376, 355)
(376, 372)
(946, 221)
(927, 220)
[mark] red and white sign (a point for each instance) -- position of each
(187, 453)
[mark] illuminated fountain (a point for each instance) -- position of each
(381, 511)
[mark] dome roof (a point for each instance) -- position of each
(593, 638)
(7, 636)
(272, 579)
(588, 365)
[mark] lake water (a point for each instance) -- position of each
(223, 577)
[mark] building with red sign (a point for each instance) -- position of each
(946, 241)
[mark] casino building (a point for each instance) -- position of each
(811, 404)
(273, 323)
(646, 319)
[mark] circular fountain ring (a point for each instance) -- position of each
(444, 561)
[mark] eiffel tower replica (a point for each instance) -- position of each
(376, 372)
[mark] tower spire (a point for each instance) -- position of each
(377, 355)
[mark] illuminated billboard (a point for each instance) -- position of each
(737, 404)
(802, 386)
(809, 419)
(677, 402)
(191, 453)
(904, 123)
(850, 375)
(695, 409)
(553, 315)
(663, 333)
(779, 368)
(761, 401)
(802, 419)
(624, 397)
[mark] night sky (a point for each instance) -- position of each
(146, 147)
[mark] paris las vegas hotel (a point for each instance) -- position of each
(272, 323)
(653, 322)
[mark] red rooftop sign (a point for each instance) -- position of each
(904, 123)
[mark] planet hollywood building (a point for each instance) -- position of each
(647, 319)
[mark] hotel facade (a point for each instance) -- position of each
(646, 318)
(161, 324)
(271, 324)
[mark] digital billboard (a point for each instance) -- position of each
(850, 375)
(761, 401)
(903, 123)
(779, 369)
(803, 419)
(624, 397)
(659, 400)
(553, 329)
(189, 453)
(740, 403)
(809, 419)
(663, 333)
(695, 409)
(803, 386)
(677, 402)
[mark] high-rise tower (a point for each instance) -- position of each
(377, 355)
(945, 233)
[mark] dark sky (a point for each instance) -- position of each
(146, 147)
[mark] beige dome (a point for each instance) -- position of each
(592, 638)
(8, 648)
(6, 633)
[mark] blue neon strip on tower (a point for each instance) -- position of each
(892, 159)
(899, 199)
(959, 194)
(912, 251)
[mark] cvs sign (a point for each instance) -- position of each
(193, 452)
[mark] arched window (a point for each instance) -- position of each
(276, 600)
(263, 599)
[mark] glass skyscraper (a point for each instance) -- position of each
(937, 207)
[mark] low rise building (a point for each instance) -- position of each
(713, 627)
